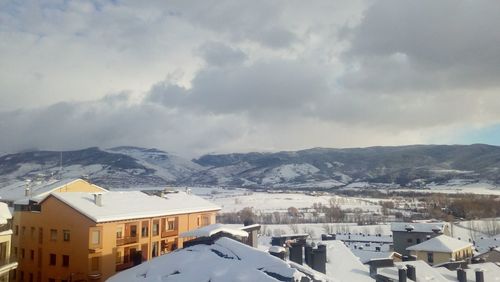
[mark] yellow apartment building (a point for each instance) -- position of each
(442, 249)
(7, 264)
(91, 235)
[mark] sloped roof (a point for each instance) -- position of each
(440, 243)
(425, 227)
(124, 205)
(343, 265)
(212, 229)
(225, 260)
(16, 192)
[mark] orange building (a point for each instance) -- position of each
(90, 235)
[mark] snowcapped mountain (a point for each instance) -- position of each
(117, 167)
(123, 167)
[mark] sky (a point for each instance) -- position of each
(197, 77)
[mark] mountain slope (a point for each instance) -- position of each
(123, 167)
(317, 167)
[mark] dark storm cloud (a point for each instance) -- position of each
(421, 45)
(273, 88)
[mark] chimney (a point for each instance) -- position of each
(479, 275)
(319, 259)
(411, 272)
(461, 275)
(98, 199)
(402, 274)
(278, 252)
(296, 252)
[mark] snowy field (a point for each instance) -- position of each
(271, 202)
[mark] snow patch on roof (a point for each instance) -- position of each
(133, 204)
(418, 226)
(343, 265)
(210, 230)
(225, 260)
(440, 243)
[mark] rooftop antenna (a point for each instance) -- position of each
(60, 165)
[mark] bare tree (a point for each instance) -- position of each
(294, 228)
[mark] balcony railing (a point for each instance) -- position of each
(126, 240)
(169, 233)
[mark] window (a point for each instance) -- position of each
(133, 230)
(65, 260)
(53, 234)
(52, 259)
(94, 264)
(22, 253)
(32, 254)
(96, 237)
(23, 230)
(156, 227)
(430, 257)
(410, 240)
(33, 230)
(30, 277)
(418, 241)
(154, 250)
(119, 232)
(66, 235)
(144, 228)
(52, 280)
(16, 230)
(171, 225)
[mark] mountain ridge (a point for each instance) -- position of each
(129, 166)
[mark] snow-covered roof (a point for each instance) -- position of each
(125, 205)
(423, 271)
(441, 243)
(491, 272)
(16, 192)
(426, 227)
(343, 265)
(213, 229)
(5, 213)
(225, 260)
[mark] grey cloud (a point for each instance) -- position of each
(108, 123)
(446, 44)
(220, 54)
(269, 89)
(260, 21)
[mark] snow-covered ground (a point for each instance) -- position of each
(270, 202)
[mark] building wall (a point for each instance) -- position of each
(116, 256)
(34, 237)
(403, 240)
(78, 185)
(490, 256)
(441, 257)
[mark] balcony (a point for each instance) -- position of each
(127, 240)
(169, 233)
(7, 264)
